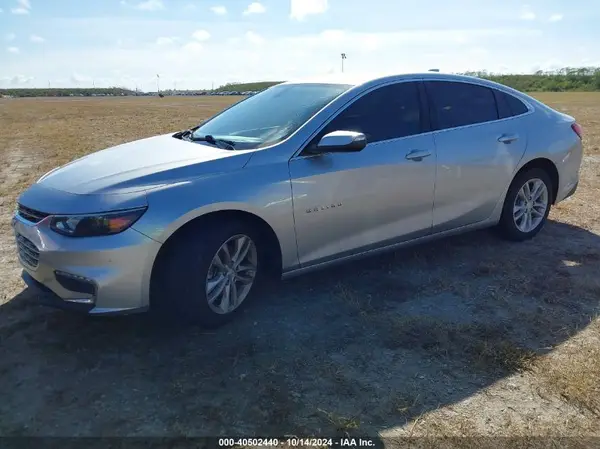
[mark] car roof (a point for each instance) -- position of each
(380, 78)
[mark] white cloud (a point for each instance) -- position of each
(201, 35)
(254, 38)
(77, 79)
(302, 8)
(11, 37)
(333, 39)
(151, 5)
(219, 10)
(14, 50)
(555, 18)
(23, 7)
(20, 80)
(165, 40)
(527, 13)
(281, 56)
(255, 8)
(196, 46)
(192, 47)
(148, 5)
(37, 39)
(335, 35)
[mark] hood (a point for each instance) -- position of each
(141, 165)
(53, 201)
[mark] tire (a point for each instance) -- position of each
(515, 229)
(179, 286)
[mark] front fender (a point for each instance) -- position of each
(264, 191)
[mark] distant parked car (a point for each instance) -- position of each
(295, 178)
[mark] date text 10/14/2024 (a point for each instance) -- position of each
(297, 442)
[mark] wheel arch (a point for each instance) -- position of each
(549, 167)
(191, 223)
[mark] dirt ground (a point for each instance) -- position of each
(468, 336)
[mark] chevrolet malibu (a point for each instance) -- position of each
(298, 177)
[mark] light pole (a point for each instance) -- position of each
(343, 57)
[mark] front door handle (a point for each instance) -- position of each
(417, 155)
(508, 138)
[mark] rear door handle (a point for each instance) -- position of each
(508, 138)
(417, 155)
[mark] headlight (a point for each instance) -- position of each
(95, 225)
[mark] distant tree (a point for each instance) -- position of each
(566, 79)
(585, 79)
(245, 87)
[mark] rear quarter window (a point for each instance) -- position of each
(516, 106)
(508, 105)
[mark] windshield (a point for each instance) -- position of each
(270, 116)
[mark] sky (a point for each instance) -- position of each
(195, 44)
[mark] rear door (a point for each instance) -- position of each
(478, 149)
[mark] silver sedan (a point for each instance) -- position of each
(300, 176)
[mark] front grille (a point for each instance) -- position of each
(31, 215)
(28, 252)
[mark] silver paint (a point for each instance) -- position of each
(390, 194)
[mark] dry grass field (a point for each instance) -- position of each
(468, 336)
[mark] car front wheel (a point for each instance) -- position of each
(526, 206)
(208, 273)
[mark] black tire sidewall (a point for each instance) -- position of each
(181, 290)
(507, 224)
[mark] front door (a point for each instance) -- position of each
(345, 203)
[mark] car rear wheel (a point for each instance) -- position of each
(526, 206)
(208, 274)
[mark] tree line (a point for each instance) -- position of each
(568, 79)
(66, 92)
(246, 87)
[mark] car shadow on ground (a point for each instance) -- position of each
(356, 349)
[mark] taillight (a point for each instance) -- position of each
(578, 129)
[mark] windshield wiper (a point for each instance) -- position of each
(222, 143)
(188, 135)
(185, 133)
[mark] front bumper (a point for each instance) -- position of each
(95, 275)
(47, 297)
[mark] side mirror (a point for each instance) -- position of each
(341, 142)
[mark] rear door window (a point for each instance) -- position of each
(455, 104)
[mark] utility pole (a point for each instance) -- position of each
(343, 58)
(158, 84)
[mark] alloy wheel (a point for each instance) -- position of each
(231, 274)
(530, 206)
